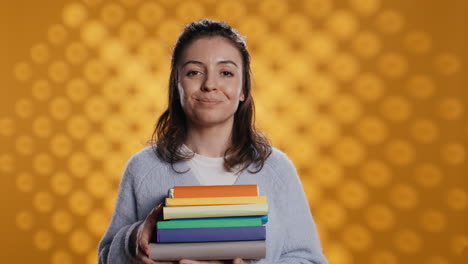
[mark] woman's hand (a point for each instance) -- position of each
(234, 261)
(140, 238)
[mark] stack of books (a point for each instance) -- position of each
(217, 222)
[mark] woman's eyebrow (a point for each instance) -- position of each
(200, 63)
(227, 62)
(192, 61)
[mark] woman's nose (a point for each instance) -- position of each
(210, 83)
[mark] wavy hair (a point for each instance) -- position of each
(248, 145)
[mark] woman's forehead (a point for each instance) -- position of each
(211, 50)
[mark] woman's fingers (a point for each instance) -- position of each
(142, 240)
(240, 261)
(189, 261)
(143, 246)
(149, 226)
(156, 212)
(145, 259)
(146, 230)
(234, 261)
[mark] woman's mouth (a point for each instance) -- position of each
(208, 102)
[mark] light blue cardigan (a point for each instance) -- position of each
(291, 233)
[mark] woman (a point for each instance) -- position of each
(207, 137)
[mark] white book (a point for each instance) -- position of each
(214, 211)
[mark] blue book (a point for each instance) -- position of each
(211, 234)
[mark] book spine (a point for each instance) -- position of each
(215, 191)
(214, 211)
(227, 250)
(207, 222)
(263, 218)
(215, 201)
(211, 234)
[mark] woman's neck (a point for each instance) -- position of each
(209, 142)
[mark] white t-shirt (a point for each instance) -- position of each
(210, 171)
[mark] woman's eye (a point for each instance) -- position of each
(227, 73)
(193, 73)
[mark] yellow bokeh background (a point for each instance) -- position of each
(368, 98)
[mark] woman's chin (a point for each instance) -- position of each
(208, 122)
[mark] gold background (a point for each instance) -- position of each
(368, 97)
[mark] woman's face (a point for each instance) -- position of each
(210, 81)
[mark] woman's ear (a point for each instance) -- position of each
(242, 98)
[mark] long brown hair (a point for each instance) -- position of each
(248, 145)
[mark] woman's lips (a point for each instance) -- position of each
(208, 102)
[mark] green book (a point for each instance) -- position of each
(207, 222)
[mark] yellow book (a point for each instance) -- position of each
(215, 201)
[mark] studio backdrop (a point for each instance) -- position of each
(367, 97)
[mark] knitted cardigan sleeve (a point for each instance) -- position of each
(113, 247)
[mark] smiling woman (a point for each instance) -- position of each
(207, 136)
(210, 63)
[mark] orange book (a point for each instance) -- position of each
(213, 191)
